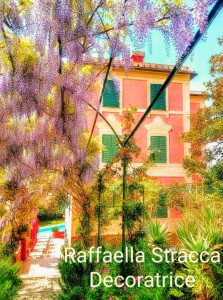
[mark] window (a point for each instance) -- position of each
(158, 144)
(110, 95)
(161, 102)
(161, 212)
(162, 209)
(111, 148)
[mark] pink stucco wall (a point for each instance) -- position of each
(194, 106)
(134, 93)
(176, 149)
(168, 180)
(175, 96)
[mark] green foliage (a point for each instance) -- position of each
(9, 279)
(98, 210)
(134, 213)
(46, 214)
(197, 243)
(8, 248)
(213, 179)
(61, 200)
(217, 271)
(54, 208)
(140, 188)
(55, 229)
(135, 186)
(116, 214)
(207, 123)
(135, 293)
(141, 196)
(176, 194)
(150, 267)
(201, 230)
(51, 222)
(202, 226)
(74, 280)
(204, 285)
(161, 209)
(157, 234)
(85, 228)
(23, 228)
(103, 292)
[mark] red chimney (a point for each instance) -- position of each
(137, 56)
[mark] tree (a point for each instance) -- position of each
(206, 124)
(214, 178)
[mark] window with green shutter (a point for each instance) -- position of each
(111, 95)
(161, 102)
(158, 144)
(111, 148)
(162, 210)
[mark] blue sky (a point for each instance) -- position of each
(202, 53)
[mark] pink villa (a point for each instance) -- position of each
(161, 129)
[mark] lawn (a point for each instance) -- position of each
(51, 222)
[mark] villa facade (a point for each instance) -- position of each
(161, 129)
(163, 126)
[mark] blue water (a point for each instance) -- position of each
(48, 229)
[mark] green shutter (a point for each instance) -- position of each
(106, 96)
(161, 102)
(106, 153)
(161, 212)
(114, 146)
(111, 95)
(111, 148)
(158, 143)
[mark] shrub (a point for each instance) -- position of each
(157, 234)
(55, 229)
(45, 214)
(8, 248)
(9, 279)
(74, 280)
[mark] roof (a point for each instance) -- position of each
(149, 67)
(197, 96)
(196, 93)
